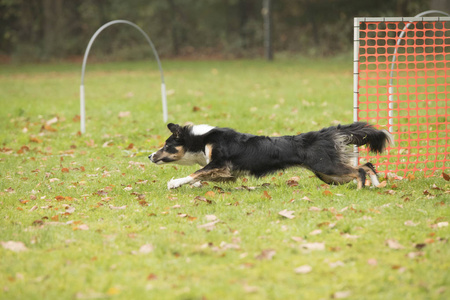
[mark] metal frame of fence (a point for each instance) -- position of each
(389, 103)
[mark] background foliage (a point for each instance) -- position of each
(55, 29)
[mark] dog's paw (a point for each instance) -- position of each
(197, 184)
(176, 183)
(173, 184)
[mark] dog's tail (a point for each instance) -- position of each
(360, 133)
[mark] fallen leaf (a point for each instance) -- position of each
(336, 264)
(52, 121)
(303, 269)
(83, 227)
(446, 176)
(341, 295)
(393, 244)
(287, 213)
(211, 218)
(145, 249)
(350, 236)
(250, 289)
(372, 261)
(327, 193)
(411, 223)
(267, 254)
(266, 195)
(209, 226)
(124, 114)
(313, 246)
(382, 184)
(117, 207)
(292, 183)
(203, 199)
(210, 194)
(315, 232)
(14, 246)
(442, 224)
(410, 177)
(415, 254)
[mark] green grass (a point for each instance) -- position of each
(55, 182)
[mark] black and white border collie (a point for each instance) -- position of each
(225, 154)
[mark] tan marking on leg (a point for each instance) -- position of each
(218, 174)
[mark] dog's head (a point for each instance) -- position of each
(173, 149)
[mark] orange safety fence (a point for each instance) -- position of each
(403, 85)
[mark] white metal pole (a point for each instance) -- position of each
(164, 102)
(355, 79)
(82, 110)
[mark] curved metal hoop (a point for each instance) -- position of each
(402, 34)
(83, 69)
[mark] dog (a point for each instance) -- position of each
(226, 154)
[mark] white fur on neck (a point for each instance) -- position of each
(201, 129)
(192, 158)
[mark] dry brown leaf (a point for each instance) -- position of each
(313, 208)
(372, 261)
(287, 213)
(393, 244)
(382, 184)
(327, 193)
(266, 195)
(415, 254)
(306, 199)
(267, 254)
(209, 226)
(313, 246)
(446, 176)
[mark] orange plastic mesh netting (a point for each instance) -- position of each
(404, 86)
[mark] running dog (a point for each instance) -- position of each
(226, 154)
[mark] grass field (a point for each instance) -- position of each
(88, 216)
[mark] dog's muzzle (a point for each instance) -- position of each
(151, 157)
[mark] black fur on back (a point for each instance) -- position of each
(323, 151)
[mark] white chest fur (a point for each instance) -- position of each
(192, 158)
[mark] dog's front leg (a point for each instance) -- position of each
(210, 172)
(176, 183)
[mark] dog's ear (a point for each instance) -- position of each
(174, 128)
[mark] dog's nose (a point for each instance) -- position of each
(151, 156)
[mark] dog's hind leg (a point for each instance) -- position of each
(370, 169)
(346, 174)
